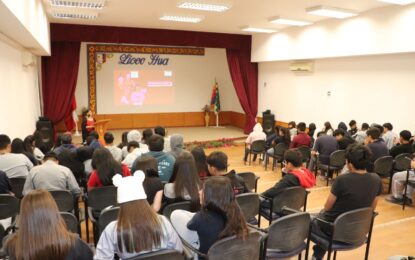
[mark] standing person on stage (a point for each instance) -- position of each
(88, 123)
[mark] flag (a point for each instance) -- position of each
(215, 100)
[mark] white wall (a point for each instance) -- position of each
(19, 90)
(192, 91)
(384, 30)
(368, 89)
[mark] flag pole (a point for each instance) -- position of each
(217, 118)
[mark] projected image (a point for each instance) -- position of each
(143, 87)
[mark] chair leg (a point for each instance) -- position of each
(335, 255)
(405, 190)
(299, 257)
(266, 160)
(250, 154)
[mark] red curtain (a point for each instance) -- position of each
(59, 76)
(244, 75)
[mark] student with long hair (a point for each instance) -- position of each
(138, 229)
(282, 137)
(17, 147)
(30, 146)
(124, 141)
(201, 164)
(328, 129)
(184, 182)
(104, 168)
(219, 217)
(42, 232)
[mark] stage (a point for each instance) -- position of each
(190, 134)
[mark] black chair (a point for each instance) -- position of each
(95, 201)
(250, 205)
(184, 205)
(410, 183)
(293, 197)
(336, 164)
(288, 236)
(383, 166)
(278, 155)
(250, 179)
(160, 255)
(402, 163)
(71, 222)
(64, 200)
(107, 216)
(257, 147)
(9, 208)
(350, 230)
(305, 154)
(17, 186)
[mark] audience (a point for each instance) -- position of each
(109, 144)
(84, 155)
(376, 146)
(66, 140)
(312, 131)
(323, 147)
(51, 176)
(14, 165)
(93, 140)
(124, 141)
(327, 128)
(342, 126)
(293, 129)
(147, 133)
(5, 187)
(360, 135)
(343, 139)
(201, 164)
(272, 136)
(388, 136)
(17, 147)
(282, 137)
(161, 131)
(255, 135)
(398, 186)
(70, 159)
(404, 145)
(30, 146)
(219, 217)
(104, 168)
(42, 233)
(357, 189)
(302, 138)
(135, 231)
(176, 144)
(353, 128)
(133, 135)
(134, 152)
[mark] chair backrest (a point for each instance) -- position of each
(64, 199)
(184, 205)
(71, 222)
(249, 204)
(289, 232)
(258, 146)
(160, 255)
(17, 186)
(353, 226)
(232, 248)
(305, 153)
(107, 216)
(338, 158)
(250, 179)
(280, 149)
(292, 197)
(9, 206)
(384, 165)
(402, 163)
(102, 197)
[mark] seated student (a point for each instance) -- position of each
(219, 217)
(93, 140)
(272, 136)
(255, 135)
(357, 189)
(109, 144)
(328, 129)
(147, 133)
(184, 184)
(343, 139)
(51, 176)
(135, 231)
(17, 147)
(390, 138)
(152, 184)
(404, 145)
(292, 127)
(38, 239)
(30, 147)
(176, 145)
(14, 165)
(105, 167)
(69, 159)
(376, 146)
(124, 141)
(282, 137)
(134, 135)
(5, 187)
(201, 164)
(165, 160)
(353, 128)
(294, 175)
(66, 144)
(312, 132)
(159, 130)
(84, 155)
(323, 147)
(398, 187)
(218, 164)
(360, 135)
(302, 138)
(134, 152)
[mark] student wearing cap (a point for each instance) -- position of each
(136, 231)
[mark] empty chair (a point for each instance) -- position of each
(350, 230)
(292, 197)
(278, 155)
(107, 216)
(71, 222)
(167, 254)
(305, 153)
(336, 164)
(17, 186)
(184, 205)
(250, 179)
(257, 147)
(383, 167)
(250, 205)
(288, 236)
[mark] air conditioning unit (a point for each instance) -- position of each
(302, 66)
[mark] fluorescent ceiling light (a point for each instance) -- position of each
(331, 12)
(204, 7)
(63, 15)
(279, 20)
(183, 19)
(398, 2)
(258, 30)
(96, 4)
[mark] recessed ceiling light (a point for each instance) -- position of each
(279, 20)
(183, 19)
(63, 15)
(92, 4)
(258, 30)
(331, 12)
(204, 6)
(398, 2)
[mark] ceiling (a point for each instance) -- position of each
(254, 13)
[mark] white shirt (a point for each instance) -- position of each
(390, 139)
(130, 158)
(15, 165)
(115, 151)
